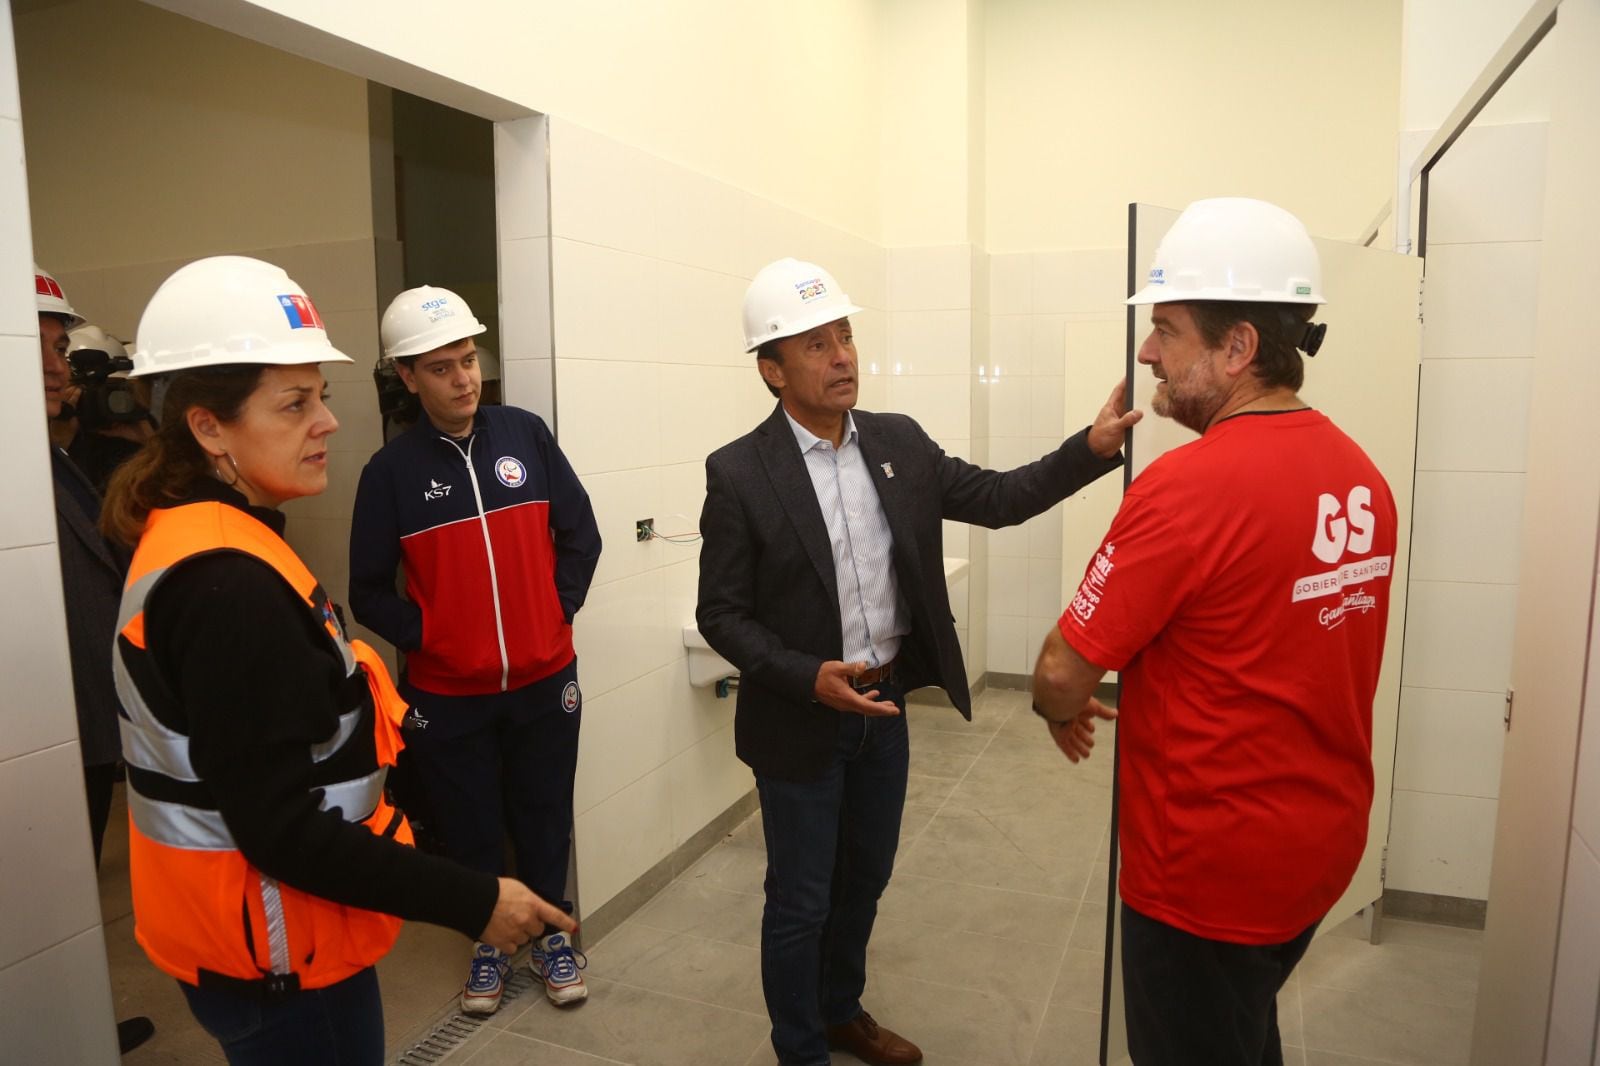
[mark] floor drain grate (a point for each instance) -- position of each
(455, 1029)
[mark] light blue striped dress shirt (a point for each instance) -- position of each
(871, 610)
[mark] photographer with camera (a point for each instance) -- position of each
(92, 572)
(103, 418)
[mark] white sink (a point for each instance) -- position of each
(706, 667)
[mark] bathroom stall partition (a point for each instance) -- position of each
(1365, 378)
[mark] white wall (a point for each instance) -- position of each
(649, 263)
(1056, 333)
(764, 97)
(55, 997)
(1092, 105)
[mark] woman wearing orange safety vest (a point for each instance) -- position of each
(269, 871)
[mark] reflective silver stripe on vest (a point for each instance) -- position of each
(277, 928)
(346, 729)
(356, 799)
(180, 826)
(134, 595)
(146, 743)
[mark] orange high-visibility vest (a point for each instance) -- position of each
(201, 912)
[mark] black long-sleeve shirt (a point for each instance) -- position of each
(259, 685)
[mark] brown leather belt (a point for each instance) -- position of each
(878, 675)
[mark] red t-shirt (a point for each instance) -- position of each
(1243, 593)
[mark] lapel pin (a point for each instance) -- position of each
(888, 470)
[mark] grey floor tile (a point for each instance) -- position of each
(946, 742)
(1061, 876)
(1437, 937)
(1099, 877)
(927, 791)
(1067, 1037)
(1016, 969)
(1369, 1024)
(914, 820)
(1006, 786)
(1071, 832)
(954, 767)
(1080, 980)
(749, 834)
(707, 971)
(501, 1048)
(420, 978)
(732, 869)
(1294, 1055)
(954, 1026)
(1089, 930)
(645, 1028)
(953, 908)
(1393, 968)
(704, 911)
(1332, 1058)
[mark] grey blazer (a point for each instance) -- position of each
(92, 572)
(768, 599)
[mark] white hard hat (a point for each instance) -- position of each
(51, 299)
(422, 319)
(94, 339)
(230, 309)
(1234, 249)
(790, 296)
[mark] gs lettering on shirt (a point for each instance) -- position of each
(1344, 528)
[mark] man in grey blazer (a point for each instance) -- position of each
(822, 580)
(92, 572)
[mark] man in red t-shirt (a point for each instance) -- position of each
(1243, 594)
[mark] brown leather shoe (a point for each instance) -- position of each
(870, 1042)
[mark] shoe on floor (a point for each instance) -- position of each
(486, 980)
(132, 1032)
(554, 962)
(870, 1042)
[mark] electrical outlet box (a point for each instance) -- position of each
(643, 528)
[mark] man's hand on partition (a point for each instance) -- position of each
(1075, 738)
(833, 688)
(1111, 425)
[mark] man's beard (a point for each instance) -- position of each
(1191, 399)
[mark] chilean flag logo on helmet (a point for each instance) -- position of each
(300, 311)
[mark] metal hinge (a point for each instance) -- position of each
(1511, 699)
(1422, 285)
(1383, 867)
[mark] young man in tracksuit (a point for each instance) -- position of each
(498, 543)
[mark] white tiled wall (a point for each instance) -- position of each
(1056, 347)
(649, 263)
(55, 997)
(1480, 302)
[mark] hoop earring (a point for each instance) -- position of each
(236, 475)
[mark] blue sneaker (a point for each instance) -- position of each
(485, 981)
(555, 962)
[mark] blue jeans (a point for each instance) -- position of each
(341, 1025)
(830, 851)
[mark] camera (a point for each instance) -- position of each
(103, 400)
(398, 407)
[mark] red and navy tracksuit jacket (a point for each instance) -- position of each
(499, 543)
